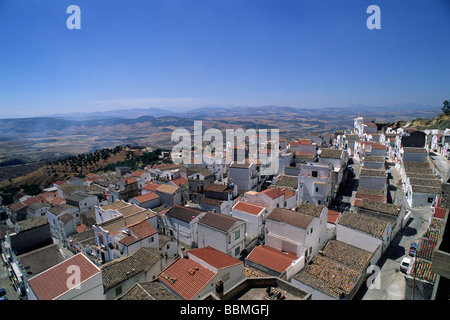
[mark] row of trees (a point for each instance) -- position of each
(138, 161)
(8, 193)
(85, 159)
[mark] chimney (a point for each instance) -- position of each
(219, 288)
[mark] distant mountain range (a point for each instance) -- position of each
(219, 111)
(121, 113)
(45, 138)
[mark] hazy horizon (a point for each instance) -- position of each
(176, 111)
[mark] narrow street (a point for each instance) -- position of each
(391, 280)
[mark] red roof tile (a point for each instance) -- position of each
(332, 216)
(128, 180)
(150, 186)
(52, 283)
(138, 174)
(140, 230)
(271, 258)
(186, 277)
(17, 206)
(249, 207)
(440, 212)
(214, 257)
(146, 197)
(180, 181)
(273, 192)
(32, 200)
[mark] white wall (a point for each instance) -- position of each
(372, 182)
(254, 226)
(90, 289)
(359, 239)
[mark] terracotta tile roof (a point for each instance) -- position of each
(425, 250)
(186, 277)
(138, 174)
(425, 189)
(52, 283)
(183, 213)
(167, 166)
(287, 181)
(31, 200)
(440, 212)
(374, 159)
(215, 258)
(115, 205)
(436, 223)
(422, 270)
(129, 180)
(17, 206)
(151, 290)
(414, 150)
(361, 196)
(272, 192)
(435, 182)
(219, 221)
(271, 258)
(331, 153)
(348, 255)
(249, 207)
(376, 206)
(150, 186)
(310, 209)
(167, 188)
(130, 210)
(329, 276)
(332, 216)
(211, 201)
(250, 272)
(373, 173)
(146, 197)
(28, 224)
(363, 223)
(374, 145)
(139, 230)
(417, 167)
(180, 181)
(120, 222)
(291, 217)
(215, 187)
(121, 269)
(288, 193)
(376, 192)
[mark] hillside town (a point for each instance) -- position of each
(358, 214)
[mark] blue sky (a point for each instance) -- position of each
(187, 53)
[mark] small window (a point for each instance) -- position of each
(237, 251)
(314, 174)
(118, 290)
(237, 234)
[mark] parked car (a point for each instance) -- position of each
(404, 265)
(412, 249)
(2, 292)
(3, 298)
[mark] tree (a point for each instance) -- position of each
(446, 107)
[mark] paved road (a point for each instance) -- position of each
(6, 283)
(391, 281)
